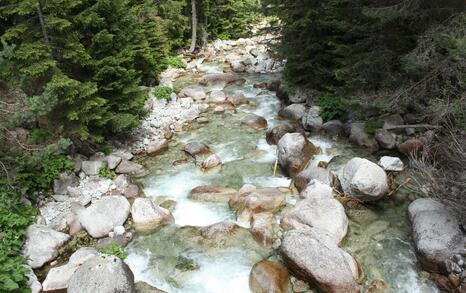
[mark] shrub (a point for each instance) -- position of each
(331, 107)
(105, 172)
(163, 92)
(115, 250)
(175, 62)
(371, 126)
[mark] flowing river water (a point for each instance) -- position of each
(176, 259)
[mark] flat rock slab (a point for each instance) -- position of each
(42, 244)
(211, 193)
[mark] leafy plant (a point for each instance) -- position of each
(331, 107)
(175, 62)
(105, 172)
(163, 92)
(371, 126)
(115, 250)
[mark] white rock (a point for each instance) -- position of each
(92, 167)
(112, 161)
(32, 281)
(146, 215)
(42, 244)
(316, 189)
(217, 97)
(119, 230)
(55, 215)
(103, 215)
(393, 164)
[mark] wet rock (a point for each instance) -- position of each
(436, 233)
(307, 175)
(314, 257)
(58, 277)
(42, 244)
(196, 148)
(293, 112)
(97, 220)
(143, 287)
(193, 91)
(92, 167)
(385, 139)
(254, 121)
(267, 276)
(56, 214)
(218, 231)
(312, 121)
(392, 164)
(216, 97)
(325, 214)
(364, 180)
(212, 193)
(237, 66)
(316, 189)
(294, 151)
(262, 228)
(210, 162)
(148, 216)
(237, 99)
(275, 133)
(333, 127)
(226, 78)
(132, 168)
(103, 274)
(360, 137)
(157, 147)
(411, 147)
(247, 203)
(60, 185)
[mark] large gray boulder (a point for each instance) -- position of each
(147, 216)
(112, 161)
(132, 168)
(103, 274)
(293, 112)
(325, 214)
(60, 185)
(364, 180)
(196, 148)
(294, 151)
(359, 136)
(193, 91)
(92, 167)
(316, 189)
(254, 121)
(58, 277)
(436, 233)
(249, 202)
(307, 175)
(104, 214)
(42, 244)
(385, 139)
(315, 258)
(275, 133)
(312, 121)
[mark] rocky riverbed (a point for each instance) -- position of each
(235, 185)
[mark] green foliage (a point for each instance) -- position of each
(15, 217)
(114, 250)
(332, 107)
(175, 62)
(105, 172)
(37, 172)
(371, 126)
(163, 92)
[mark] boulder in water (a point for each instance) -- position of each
(157, 147)
(268, 276)
(274, 134)
(294, 112)
(212, 193)
(217, 97)
(307, 175)
(132, 168)
(436, 233)
(148, 216)
(254, 121)
(262, 228)
(294, 151)
(364, 180)
(193, 91)
(247, 203)
(210, 162)
(196, 148)
(314, 257)
(237, 99)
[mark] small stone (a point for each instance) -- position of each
(119, 230)
(392, 164)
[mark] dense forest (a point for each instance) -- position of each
(75, 75)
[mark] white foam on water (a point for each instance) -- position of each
(176, 185)
(209, 68)
(194, 213)
(227, 152)
(322, 142)
(320, 158)
(268, 181)
(269, 155)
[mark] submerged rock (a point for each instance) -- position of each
(294, 151)
(42, 244)
(147, 216)
(307, 175)
(267, 276)
(364, 180)
(212, 193)
(210, 162)
(247, 203)
(314, 257)
(255, 121)
(103, 274)
(196, 148)
(275, 133)
(436, 233)
(97, 218)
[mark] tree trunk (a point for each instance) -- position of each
(194, 26)
(42, 22)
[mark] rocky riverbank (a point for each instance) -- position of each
(296, 235)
